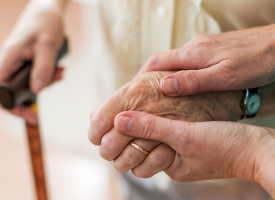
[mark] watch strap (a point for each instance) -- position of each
(247, 93)
(253, 90)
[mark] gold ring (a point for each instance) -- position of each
(139, 148)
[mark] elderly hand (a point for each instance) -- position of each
(38, 35)
(218, 62)
(143, 94)
(205, 150)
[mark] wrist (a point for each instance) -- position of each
(253, 154)
(264, 170)
(217, 106)
(232, 101)
(239, 94)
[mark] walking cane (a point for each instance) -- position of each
(36, 154)
(16, 91)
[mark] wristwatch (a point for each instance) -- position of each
(251, 103)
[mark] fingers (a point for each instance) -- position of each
(131, 157)
(112, 144)
(44, 54)
(158, 160)
(102, 120)
(190, 82)
(216, 146)
(45, 51)
(185, 83)
(198, 53)
(146, 126)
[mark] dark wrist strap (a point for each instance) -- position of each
(248, 92)
(242, 105)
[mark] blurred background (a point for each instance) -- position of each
(73, 167)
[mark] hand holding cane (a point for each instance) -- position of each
(16, 91)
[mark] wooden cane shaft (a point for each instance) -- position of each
(35, 149)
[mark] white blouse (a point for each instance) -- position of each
(133, 30)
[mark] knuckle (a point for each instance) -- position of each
(97, 123)
(48, 41)
(196, 48)
(184, 140)
(200, 42)
(153, 61)
(108, 148)
(148, 128)
(176, 55)
(127, 162)
(123, 91)
(157, 160)
(90, 137)
(194, 82)
(132, 158)
(230, 76)
(142, 173)
(122, 167)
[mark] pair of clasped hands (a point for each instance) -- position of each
(165, 108)
(165, 112)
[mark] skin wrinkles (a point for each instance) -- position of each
(144, 94)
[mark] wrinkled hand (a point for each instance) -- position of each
(205, 150)
(143, 94)
(38, 35)
(218, 62)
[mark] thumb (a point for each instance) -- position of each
(147, 126)
(185, 83)
(203, 138)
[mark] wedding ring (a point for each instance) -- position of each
(139, 148)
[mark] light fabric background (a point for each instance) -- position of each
(114, 39)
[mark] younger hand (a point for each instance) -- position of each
(203, 150)
(218, 62)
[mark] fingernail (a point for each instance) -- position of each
(171, 86)
(38, 85)
(125, 123)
